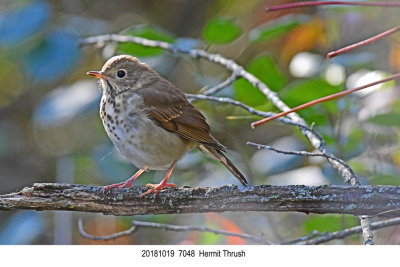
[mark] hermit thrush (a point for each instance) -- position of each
(151, 122)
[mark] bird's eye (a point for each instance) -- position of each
(121, 73)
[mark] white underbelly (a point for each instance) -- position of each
(147, 145)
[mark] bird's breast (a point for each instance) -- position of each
(137, 137)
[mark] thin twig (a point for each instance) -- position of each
(186, 228)
(324, 99)
(292, 152)
(313, 235)
(82, 232)
(362, 43)
(313, 239)
(221, 85)
(325, 237)
(325, 3)
(169, 227)
(298, 153)
(366, 228)
(303, 153)
(251, 110)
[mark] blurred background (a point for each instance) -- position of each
(50, 130)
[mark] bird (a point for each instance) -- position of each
(151, 122)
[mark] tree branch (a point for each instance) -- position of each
(356, 200)
(301, 153)
(82, 232)
(362, 43)
(325, 3)
(171, 227)
(221, 85)
(325, 237)
(227, 100)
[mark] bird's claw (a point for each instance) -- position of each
(157, 188)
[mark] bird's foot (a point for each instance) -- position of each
(157, 188)
(127, 183)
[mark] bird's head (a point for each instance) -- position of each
(121, 74)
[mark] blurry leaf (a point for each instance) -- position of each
(394, 54)
(396, 157)
(248, 94)
(388, 119)
(145, 32)
(19, 24)
(11, 76)
(264, 68)
(303, 38)
(226, 225)
(358, 167)
(230, 226)
(208, 238)
(385, 179)
(328, 223)
(276, 28)
(221, 31)
(22, 228)
(303, 91)
(57, 54)
(159, 218)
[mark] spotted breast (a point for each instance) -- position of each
(135, 136)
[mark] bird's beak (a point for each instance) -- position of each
(98, 74)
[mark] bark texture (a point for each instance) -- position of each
(356, 200)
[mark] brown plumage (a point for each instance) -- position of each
(160, 123)
(170, 109)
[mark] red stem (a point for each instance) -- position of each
(362, 43)
(323, 99)
(324, 3)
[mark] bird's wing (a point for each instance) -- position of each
(170, 109)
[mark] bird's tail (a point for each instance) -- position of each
(218, 154)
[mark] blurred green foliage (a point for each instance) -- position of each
(388, 119)
(14, 86)
(265, 69)
(328, 223)
(303, 91)
(277, 28)
(148, 32)
(220, 31)
(385, 179)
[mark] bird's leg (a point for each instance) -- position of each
(127, 183)
(158, 187)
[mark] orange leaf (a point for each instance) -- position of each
(303, 38)
(227, 225)
(394, 55)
